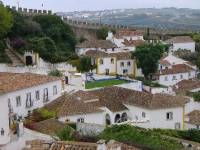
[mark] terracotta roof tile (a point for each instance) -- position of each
(114, 99)
(180, 39)
(96, 44)
(22, 81)
(133, 42)
(49, 126)
(120, 34)
(101, 54)
(186, 85)
(180, 68)
(71, 145)
(164, 62)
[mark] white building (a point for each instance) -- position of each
(192, 120)
(101, 45)
(192, 108)
(20, 94)
(119, 63)
(173, 70)
(115, 105)
(122, 38)
(181, 43)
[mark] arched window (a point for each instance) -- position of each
(117, 118)
(124, 117)
(143, 115)
(108, 120)
(81, 120)
(101, 61)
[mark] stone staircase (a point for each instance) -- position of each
(14, 57)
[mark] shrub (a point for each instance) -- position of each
(43, 114)
(55, 73)
(139, 136)
(66, 134)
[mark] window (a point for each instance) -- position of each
(117, 118)
(122, 64)
(29, 102)
(174, 78)
(112, 61)
(166, 78)
(143, 115)
(125, 71)
(189, 74)
(45, 95)
(37, 95)
(198, 127)
(181, 76)
(105, 50)
(81, 120)
(55, 90)
(128, 63)
(124, 117)
(2, 132)
(169, 116)
(177, 126)
(113, 49)
(101, 61)
(18, 101)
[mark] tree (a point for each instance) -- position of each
(83, 64)
(6, 21)
(102, 33)
(55, 73)
(147, 56)
(198, 61)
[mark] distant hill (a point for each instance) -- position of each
(165, 18)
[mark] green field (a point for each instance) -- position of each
(96, 84)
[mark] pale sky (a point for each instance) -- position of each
(77, 5)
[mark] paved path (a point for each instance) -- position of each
(19, 143)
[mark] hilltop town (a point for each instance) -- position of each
(76, 84)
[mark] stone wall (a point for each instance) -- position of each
(89, 129)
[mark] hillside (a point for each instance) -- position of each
(166, 18)
(46, 34)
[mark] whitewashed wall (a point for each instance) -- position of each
(170, 80)
(107, 65)
(129, 68)
(96, 118)
(187, 46)
(22, 110)
(4, 120)
(157, 117)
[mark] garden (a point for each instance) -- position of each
(104, 83)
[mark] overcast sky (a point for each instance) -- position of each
(77, 5)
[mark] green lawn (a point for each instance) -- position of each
(95, 84)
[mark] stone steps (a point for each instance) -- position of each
(16, 61)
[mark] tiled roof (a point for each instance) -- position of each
(101, 54)
(180, 68)
(164, 62)
(120, 34)
(96, 44)
(180, 39)
(36, 145)
(71, 145)
(133, 42)
(115, 98)
(10, 82)
(49, 126)
(194, 117)
(186, 85)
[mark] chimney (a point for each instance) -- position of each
(101, 145)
